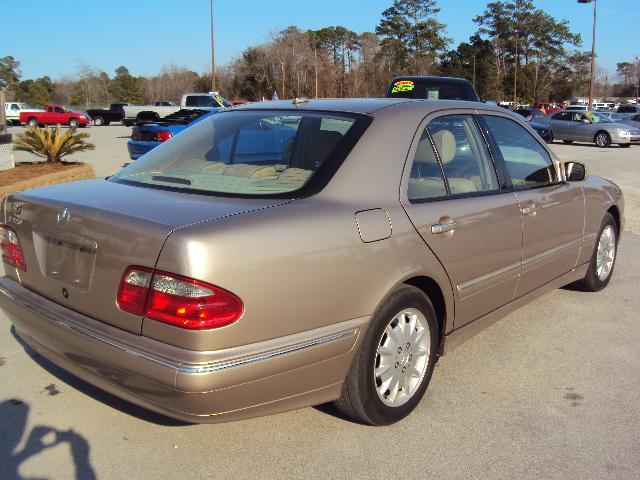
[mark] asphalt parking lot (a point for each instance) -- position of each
(549, 392)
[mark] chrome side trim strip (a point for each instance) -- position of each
(487, 277)
(208, 368)
(551, 252)
(197, 368)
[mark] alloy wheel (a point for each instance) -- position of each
(606, 253)
(402, 357)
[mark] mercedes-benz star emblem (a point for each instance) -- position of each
(63, 217)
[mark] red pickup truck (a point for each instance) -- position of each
(55, 114)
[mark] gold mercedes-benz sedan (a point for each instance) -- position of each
(286, 254)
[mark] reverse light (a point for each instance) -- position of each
(10, 248)
(177, 300)
(163, 135)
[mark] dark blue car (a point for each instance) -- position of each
(146, 136)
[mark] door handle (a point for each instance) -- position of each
(444, 227)
(530, 209)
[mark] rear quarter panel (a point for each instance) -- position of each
(296, 267)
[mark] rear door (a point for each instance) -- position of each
(452, 194)
(552, 210)
(561, 125)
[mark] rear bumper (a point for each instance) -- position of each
(138, 148)
(201, 387)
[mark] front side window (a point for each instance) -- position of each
(463, 156)
(527, 162)
(249, 153)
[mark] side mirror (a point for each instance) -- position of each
(575, 172)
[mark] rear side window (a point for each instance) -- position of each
(566, 116)
(527, 162)
(200, 101)
(463, 157)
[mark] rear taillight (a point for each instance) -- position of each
(163, 135)
(10, 247)
(177, 300)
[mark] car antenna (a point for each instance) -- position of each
(298, 101)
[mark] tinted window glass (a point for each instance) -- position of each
(430, 89)
(566, 116)
(250, 153)
(527, 162)
(199, 101)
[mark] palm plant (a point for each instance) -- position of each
(52, 143)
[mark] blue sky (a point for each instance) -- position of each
(51, 37)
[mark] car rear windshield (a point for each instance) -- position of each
(429, 89)
(255, 153)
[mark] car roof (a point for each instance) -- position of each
(364, 105)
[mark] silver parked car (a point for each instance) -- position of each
(590, 127)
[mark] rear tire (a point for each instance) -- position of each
(604, 257)
(32, 122)
(602, 140)
(98, 121)
(403, 337)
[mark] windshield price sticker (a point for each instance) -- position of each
(402, 86)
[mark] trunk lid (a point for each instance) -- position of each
(79, 238)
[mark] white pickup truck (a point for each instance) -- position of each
(202, 101)
(12, 111)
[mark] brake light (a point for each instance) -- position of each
(10, 247)
(163, 135)
(177, 300)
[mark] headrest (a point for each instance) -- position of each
(424, 152)
(446, 144)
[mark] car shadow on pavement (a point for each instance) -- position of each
(94, 392)
(14, 414)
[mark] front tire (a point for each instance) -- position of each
(550, 139)
(604, 257)
(392, 369)
(602, 139)
(73, 123)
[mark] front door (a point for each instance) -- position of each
(453, 197)
(552, 211)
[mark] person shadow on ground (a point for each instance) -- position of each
(13, 419)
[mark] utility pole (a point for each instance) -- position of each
(3, 118)
(515, 77)
(474, 71)
(593, 51)
(213, 53)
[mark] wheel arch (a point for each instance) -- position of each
(615, 213)
(432, 290)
